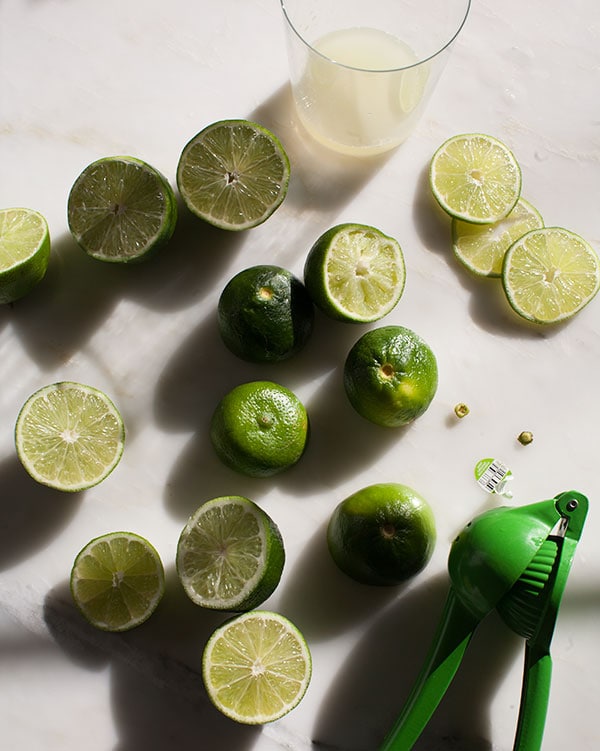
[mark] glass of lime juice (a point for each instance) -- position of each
(362, 72)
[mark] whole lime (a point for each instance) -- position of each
(390, 376)
(383, 534)
(265, 314)
(259, 428)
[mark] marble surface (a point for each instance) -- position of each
(81, 80)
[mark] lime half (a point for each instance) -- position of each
(256, 667)
(117, 581)
(230, 555)
(475, 177)
(550, 274)
(481, 247)
(24, 252)
(233, 174)
(355, 273)
(121, 209)
(69, 436)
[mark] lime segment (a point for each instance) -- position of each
(355, 273)
(550, 274)
(230, 555)
(481, 247)
(117, 581)
(233, 174)
(24, 252)
(475, 177)
(256, 667)
(69, 436)
(121, 209)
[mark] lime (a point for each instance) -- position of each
(121, 209)
(69, 436)
(265, 314)
(24, 252)
(259, 428)
(233, 174)
(117, 581)
(481, 247)
(475, 177)
(390, 376)
(256, 667)
(355, 273)
(550, 274)
(230, 555)
(382, 534)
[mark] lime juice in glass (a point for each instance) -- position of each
(361, 73)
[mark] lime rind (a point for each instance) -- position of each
(233, 174)
(355, 273)
(121, 210)
(475, 177)
(69, 436)
(24, 252)
(230, 555)
(481, 248)
(117, 581)
(256, 667)
(550, 274)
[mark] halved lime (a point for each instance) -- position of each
(256, 667)
(475, 177)
(69, 436)
(481, 247)
(233, 174)
(117, 581)
(230, 555)
(355, 273)
(24, 252)
(121, 209)
(550, 274)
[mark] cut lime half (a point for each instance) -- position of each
(475, 177)
(550, 274)
(24, 252)
(230, 555)
(355, 273)
(117, 581)
(233, 174)
(256, 667)
(481, 247)
(69, 436)
(121, 209)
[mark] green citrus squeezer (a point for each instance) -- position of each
(515, 560)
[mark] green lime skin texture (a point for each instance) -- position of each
(382, 535)
(390, 376)
(24, 252)
(265, 314)
(259, 429)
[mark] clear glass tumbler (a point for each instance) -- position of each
(362, 71)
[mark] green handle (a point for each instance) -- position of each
(534, 700)
(445, 655)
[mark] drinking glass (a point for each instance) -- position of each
(362, 71)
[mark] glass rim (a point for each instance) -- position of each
(421, 61)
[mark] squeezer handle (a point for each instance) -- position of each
(447, 650)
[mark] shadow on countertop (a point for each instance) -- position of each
(157, 695)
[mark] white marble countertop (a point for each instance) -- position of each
(81, 80)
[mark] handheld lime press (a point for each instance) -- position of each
(517, 561)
